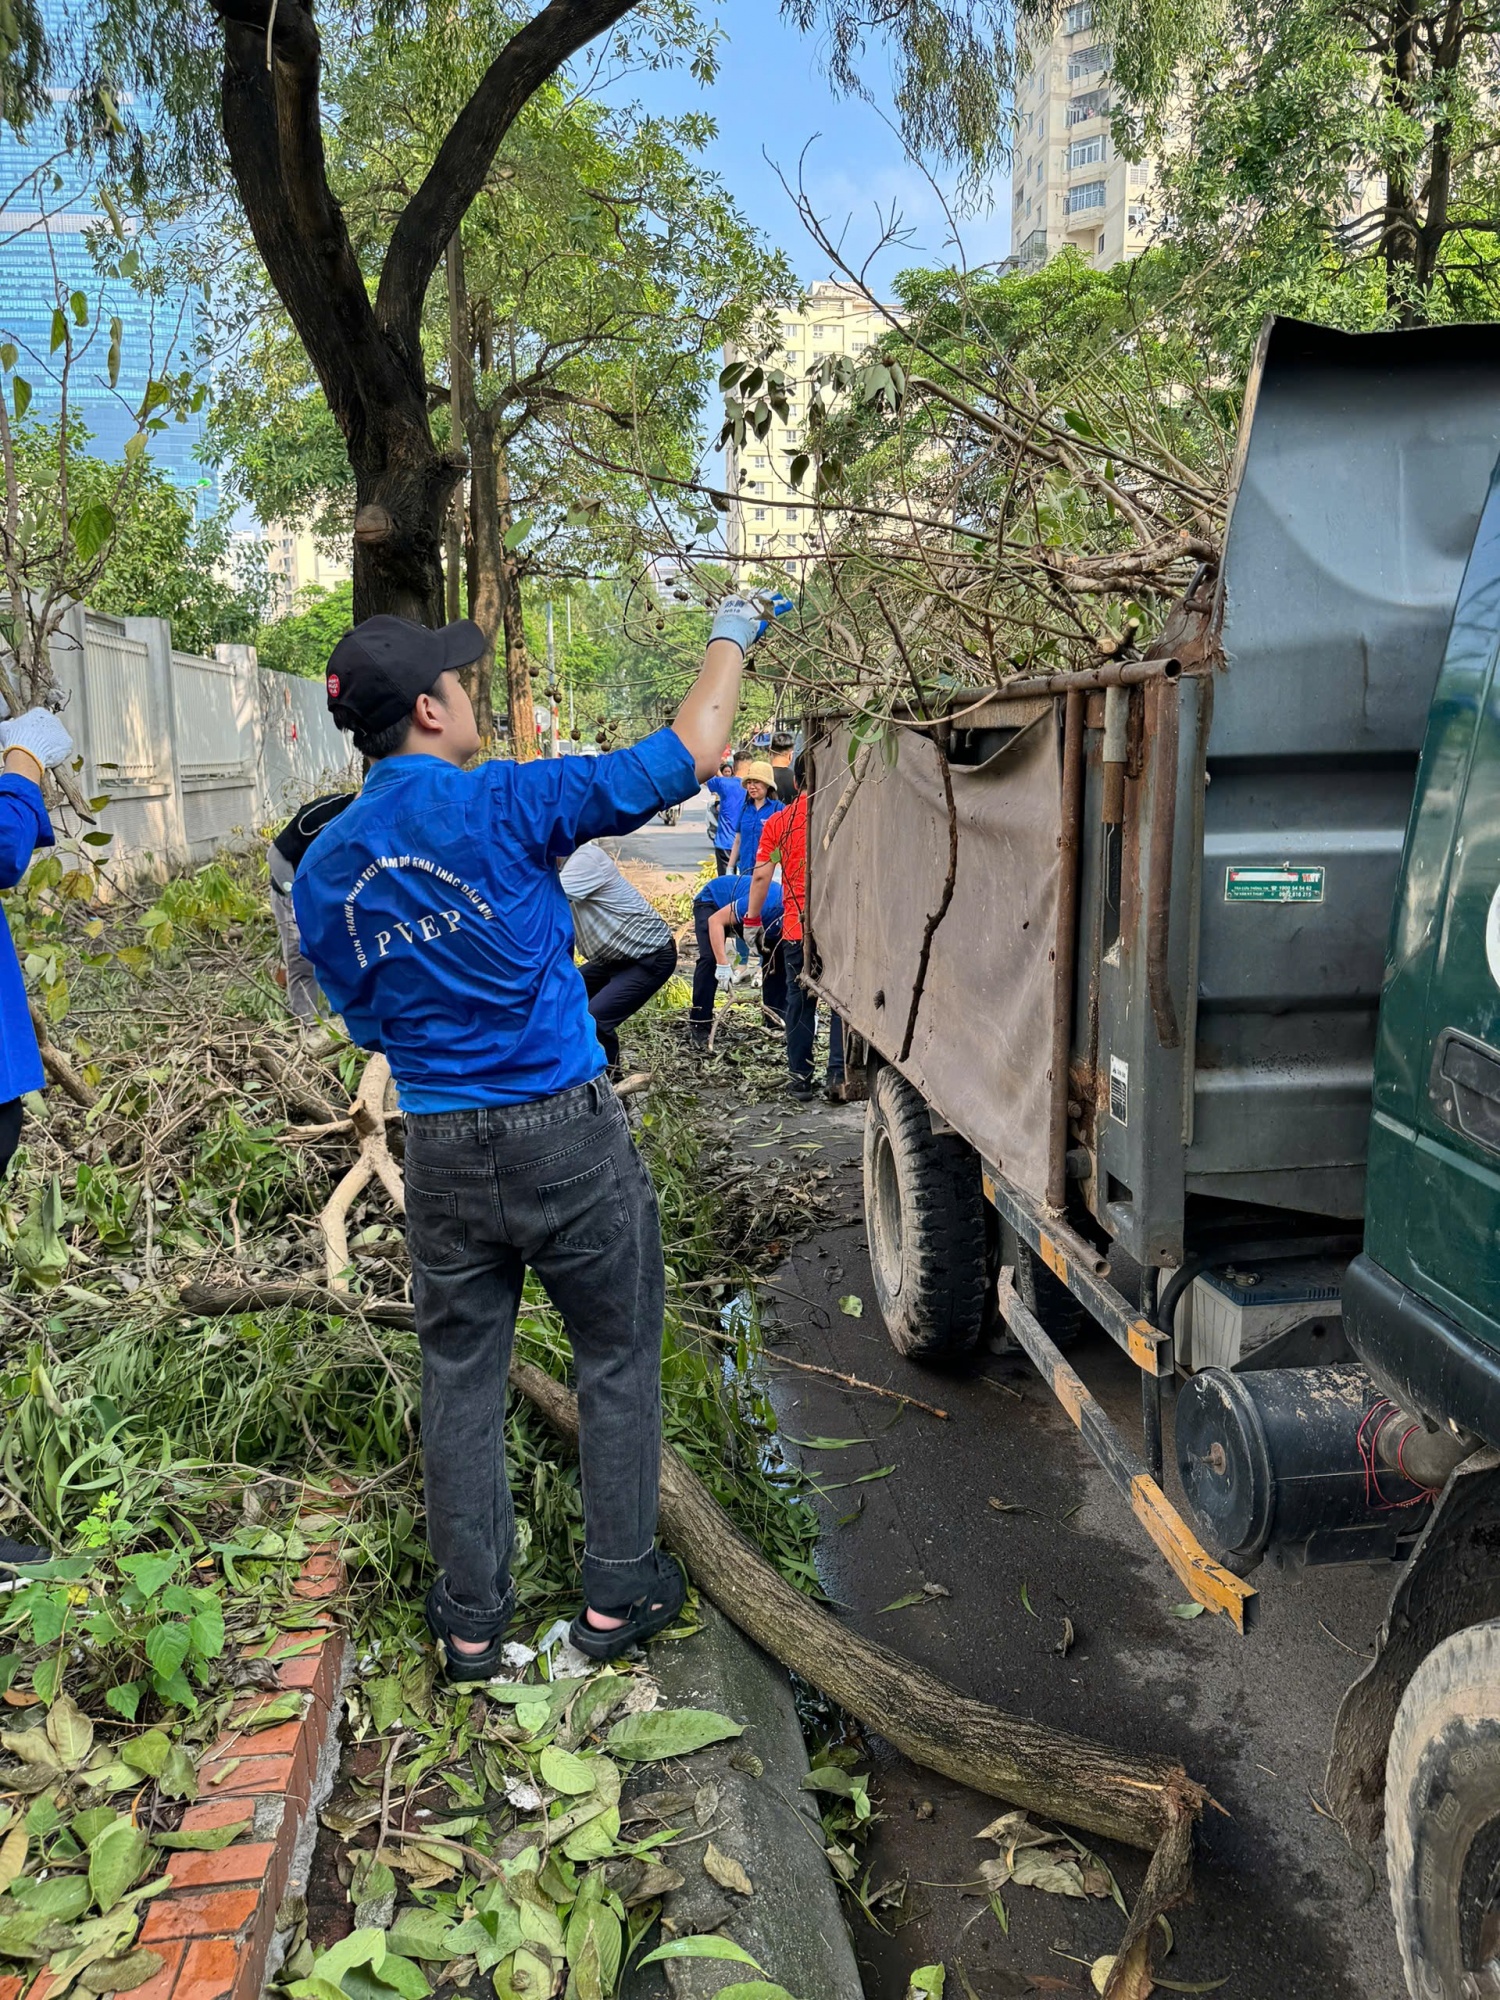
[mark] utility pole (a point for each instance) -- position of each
(552, 675)
(568, 609)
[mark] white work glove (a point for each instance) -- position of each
(737, 619)
(724, 977)
(40, 734)
(750, 931)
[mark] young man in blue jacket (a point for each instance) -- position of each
(434, 917)
(29, 745)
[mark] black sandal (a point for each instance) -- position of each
(447, 1620)
(651, 1612)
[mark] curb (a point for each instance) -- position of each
(214, 1927)
(793, 1923)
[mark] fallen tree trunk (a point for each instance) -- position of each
(1068, 1778)
(1140, 1801)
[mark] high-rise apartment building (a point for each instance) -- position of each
(769, 518)
(1070, 185)
(48, 212)
(296, 562)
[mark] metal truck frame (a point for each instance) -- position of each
(1155, 1034)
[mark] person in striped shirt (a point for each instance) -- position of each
(627, 948)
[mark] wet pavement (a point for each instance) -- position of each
(1282, 1910)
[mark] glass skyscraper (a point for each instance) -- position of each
(49, 212)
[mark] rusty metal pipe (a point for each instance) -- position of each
(1164, 740)
(1065, 950)
(1114, 673)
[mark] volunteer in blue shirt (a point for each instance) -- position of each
(434, 917)
(727, 795)
(719, 909)
(29, 745)
(760, 803)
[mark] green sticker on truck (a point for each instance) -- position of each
(1273, 885)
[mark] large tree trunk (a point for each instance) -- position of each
(368, 354)
(520, 696)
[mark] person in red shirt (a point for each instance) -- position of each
(783, 839)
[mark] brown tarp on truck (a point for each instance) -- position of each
(983, 1041)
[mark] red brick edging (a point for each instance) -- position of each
(213, 1928)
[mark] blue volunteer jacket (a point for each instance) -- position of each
(24, 827)
(433, 915)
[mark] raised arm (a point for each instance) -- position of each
(705, 721)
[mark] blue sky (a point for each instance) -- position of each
(770, 99)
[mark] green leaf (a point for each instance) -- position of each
(206, 1626)
(121, 1975)
(116, 335)
(203, 1839)
(59, 328)
(1188, 1610)
(704, 1946)
(596, 1838)
(753, 1989)
(1026, 1598)
(396, 1975)
(852, 1305)
(78, 305)
(134, 446)
(427, 1934)
(167, 1648)
(148, 1753)
(387, 1698)
(280, 1708)
(729, 376)
(671, 1732)
(149, 1572)
(115, 1863)
(7, 355)
(179, 1775)
(365, 1946)
(563, 1772)
(92, 528)
(926, 1983)
(60, 1898)
(517, 533)
(905, 1603)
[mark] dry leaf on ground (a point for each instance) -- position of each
(726, 1871)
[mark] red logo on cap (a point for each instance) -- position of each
(333, 686)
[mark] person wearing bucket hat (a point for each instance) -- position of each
(433, 914)
(759, 781)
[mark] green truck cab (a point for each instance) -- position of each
(1208, 1059)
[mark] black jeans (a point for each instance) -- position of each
(802, 1025)
(10, 1132)
(558, 1185)
(619, 988)
(773, 971)
(721, 860)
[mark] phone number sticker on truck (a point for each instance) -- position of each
(1273, 885)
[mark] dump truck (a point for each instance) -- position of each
(1174, 988)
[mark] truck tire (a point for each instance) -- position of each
(1061, 1317)
(1442, 1819)
(925, 1220)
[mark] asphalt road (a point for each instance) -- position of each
(672, 847)
(1282, 1910)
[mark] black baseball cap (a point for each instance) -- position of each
(377, 671)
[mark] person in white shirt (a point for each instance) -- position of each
(627, 947)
